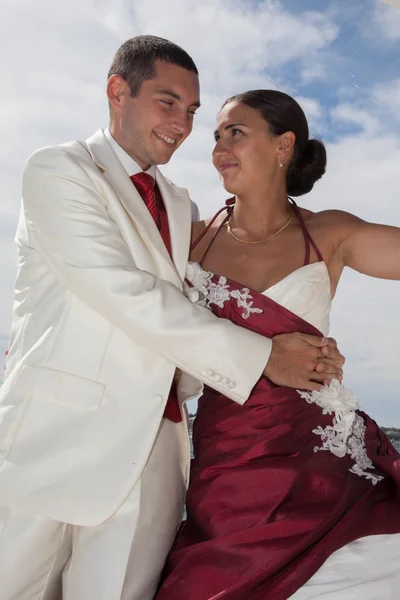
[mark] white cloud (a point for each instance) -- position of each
(353, 114)
(313, 110)
(394, 3)
(386, 21)
(362, 177)
(237, 37)
(313, 71)
(387, 96)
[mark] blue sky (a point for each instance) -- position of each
(340, 59)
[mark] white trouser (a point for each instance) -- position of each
(120, 559)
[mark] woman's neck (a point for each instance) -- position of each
(257, 215)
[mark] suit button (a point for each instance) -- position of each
(225, 380)
(210, 373)
(217, 378)
(231, 385)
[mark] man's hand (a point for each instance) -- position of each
(304, 362)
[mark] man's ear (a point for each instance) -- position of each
(117, 89)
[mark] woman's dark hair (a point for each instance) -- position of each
(283, 113)
(134, 60)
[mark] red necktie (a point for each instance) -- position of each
(145, 185)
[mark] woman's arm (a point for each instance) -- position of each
(369, 248)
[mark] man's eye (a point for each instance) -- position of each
(193, 112)
(216, 138)
(167, 102)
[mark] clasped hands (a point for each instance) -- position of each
(303, 361)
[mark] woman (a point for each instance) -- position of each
(295, 494)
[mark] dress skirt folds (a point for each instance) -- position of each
(281, 483)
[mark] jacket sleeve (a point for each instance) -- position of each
(195, 212)
(69, 226)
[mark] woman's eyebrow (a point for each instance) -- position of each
(230, 126)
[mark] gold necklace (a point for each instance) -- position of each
(259, 241)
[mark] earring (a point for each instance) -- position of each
(281, 164)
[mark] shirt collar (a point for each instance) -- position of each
(130, 165)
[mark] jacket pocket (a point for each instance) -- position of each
(60, 387)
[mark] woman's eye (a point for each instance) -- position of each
(235, 131)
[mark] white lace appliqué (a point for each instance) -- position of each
(205, 292)
(347, 433)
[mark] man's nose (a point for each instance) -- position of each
(182, 123)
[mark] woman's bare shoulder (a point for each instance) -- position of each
(199, 226)
(330, 218)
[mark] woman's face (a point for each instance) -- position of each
(245, 153)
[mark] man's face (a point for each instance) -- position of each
(154, 123)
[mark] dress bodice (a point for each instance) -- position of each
(305, 292)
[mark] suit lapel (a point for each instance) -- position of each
(178, 206)
(112, 169)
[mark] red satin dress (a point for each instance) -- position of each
(282, 482)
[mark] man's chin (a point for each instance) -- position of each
(162, 153)
(164, 158)
(162, 161)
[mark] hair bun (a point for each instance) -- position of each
(306, 169)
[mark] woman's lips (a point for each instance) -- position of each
(226, 166)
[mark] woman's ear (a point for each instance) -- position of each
(285, 147)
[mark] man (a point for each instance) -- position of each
(92, 476)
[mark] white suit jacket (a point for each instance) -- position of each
(99, 326)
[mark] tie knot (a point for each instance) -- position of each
(143, 182)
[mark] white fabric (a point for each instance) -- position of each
(307, 293)
(367, 569)
(100, 325)
(121, 559)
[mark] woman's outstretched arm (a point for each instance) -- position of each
(369, 248)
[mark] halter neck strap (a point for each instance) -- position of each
(229, 205)
(307, 237)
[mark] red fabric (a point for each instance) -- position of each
(151, 196)
(264, 510)
(164, 225)
(144, 184)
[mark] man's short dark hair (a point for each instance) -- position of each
(134, 61)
